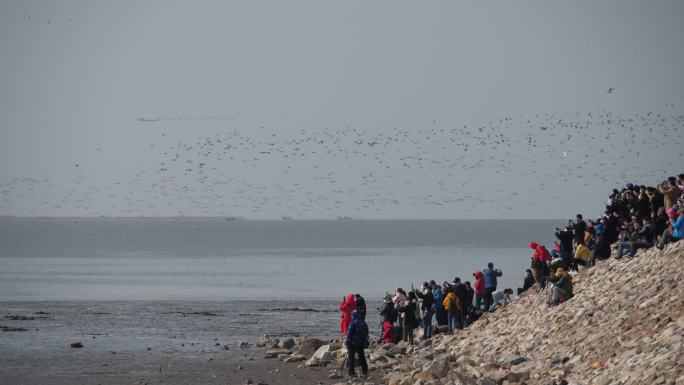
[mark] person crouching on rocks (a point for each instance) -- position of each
(677, 232)
(560, 289)
(528, 282)
(356, 342)
(346, 307)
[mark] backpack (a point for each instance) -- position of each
(455, 303)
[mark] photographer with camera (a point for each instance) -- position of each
(427, 300)
(670, 192)
(389, 317)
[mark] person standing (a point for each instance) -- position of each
(426, 305)
(408, 313)
(357, 338)
(452, 306)
(440, 316)
(469, 295)
(670, 192)
(389, 317)
(346, 307)
(360, 304)
(399, 299)
(461, 294)
(479, 287)
(580, 226)
(490, 275)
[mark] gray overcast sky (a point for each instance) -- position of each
(319, 109)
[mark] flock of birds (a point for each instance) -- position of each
(509, 163)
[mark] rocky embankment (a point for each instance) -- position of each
(625, 325)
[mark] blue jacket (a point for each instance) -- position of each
(598, 229)
(437, 293)
(490, 277)
(357, 334)
(678, 227)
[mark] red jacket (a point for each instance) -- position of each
(543, 255)
(479, 285)
(347, 306)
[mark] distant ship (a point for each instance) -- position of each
(345, 218)
(234, 218)
(286, 218)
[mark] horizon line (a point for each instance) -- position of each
(239, 218)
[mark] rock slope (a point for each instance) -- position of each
(623, 326)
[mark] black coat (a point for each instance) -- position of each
(470, 294)
(580, 227)
(389, 313)
(428, 300)
(409, 312)
(565, 237)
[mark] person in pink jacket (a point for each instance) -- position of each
(479, 288)
(346, 307)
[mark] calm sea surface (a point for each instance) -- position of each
(217, 259)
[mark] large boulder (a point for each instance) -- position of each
(496, 376)
(425, 343)
(286, 343)
(422, 377)
(321, 356)
(296, 358)
(274, 353)
(341, 354)
(395, 349)
(440, 366)
(313, 361)
(263, 341)
(308, 345)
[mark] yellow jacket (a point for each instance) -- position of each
(582, 253)
(451, 297)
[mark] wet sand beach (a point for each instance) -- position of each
(151, 342)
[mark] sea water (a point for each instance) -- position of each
(123, 259)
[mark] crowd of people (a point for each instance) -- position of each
(636, 217)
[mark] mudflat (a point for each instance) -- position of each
(143, 343)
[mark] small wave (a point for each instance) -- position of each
(297, 309)
(199, 313)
